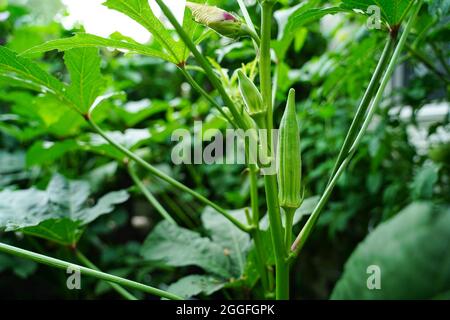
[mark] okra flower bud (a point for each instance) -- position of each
(289, 161)
(252, 97)
(221, 21)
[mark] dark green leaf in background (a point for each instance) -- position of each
(58, 212)
(412, 253)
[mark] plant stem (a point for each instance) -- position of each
(423, 59)
(250, 25)
(124, 293)
(203, 63)
(57, 263)
(289, 215)
(260, 256)
(167, 178)
(265, 64)
(439, 54)
(178, 211)
(208, 97)
(148, 195)
(270, 181)
(364, 104)
(282, 268)
(306, 231)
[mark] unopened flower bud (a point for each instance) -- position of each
(221, 21)
(250, 94)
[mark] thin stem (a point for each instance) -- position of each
(265, 65)
(250, 25)
(364, 104)
(167, 178)
(306, 231)
(203, 63)
(424, 59)
(440, 56)
(178, 211)
(124, 293)
(57, 263)
(208, 97)
(148, 195)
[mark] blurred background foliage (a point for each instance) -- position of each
(404, 158)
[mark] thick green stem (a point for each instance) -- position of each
(270, 181)
(60, 264)
(148, 195)
(203, 63)
(124, 293)
(307, 229)
(289, 215)
(276, 229)
(167, 178)
(260, 256)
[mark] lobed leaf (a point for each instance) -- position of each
(178, 247)
(140, 11)
(86, 40)
(57, 213)
(235, 242)
(194, 285)
(392, 11)
(87, 82)
(27, 72)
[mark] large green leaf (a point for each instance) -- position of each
(140, 11)
(27, 72)
(392, 11)
(233, 241)
(87, 82)
(194, 285)
(177, 247)
(85, 40)
(412, 253)
(57, 213)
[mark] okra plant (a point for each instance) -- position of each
(247, 248)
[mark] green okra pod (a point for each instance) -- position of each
(289, 161)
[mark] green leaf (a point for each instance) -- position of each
(291, 20)
(438, 7)
(194, 285)
(178, 247)
(133, 112)
(422, 186)
(392, 11)
(11, 162)
(140, 11)
(46, 152)
(411, 251)
(20, 267)
(233, 241)
(57, 213)
(27, 72)
(87, 82)
(85, 40)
